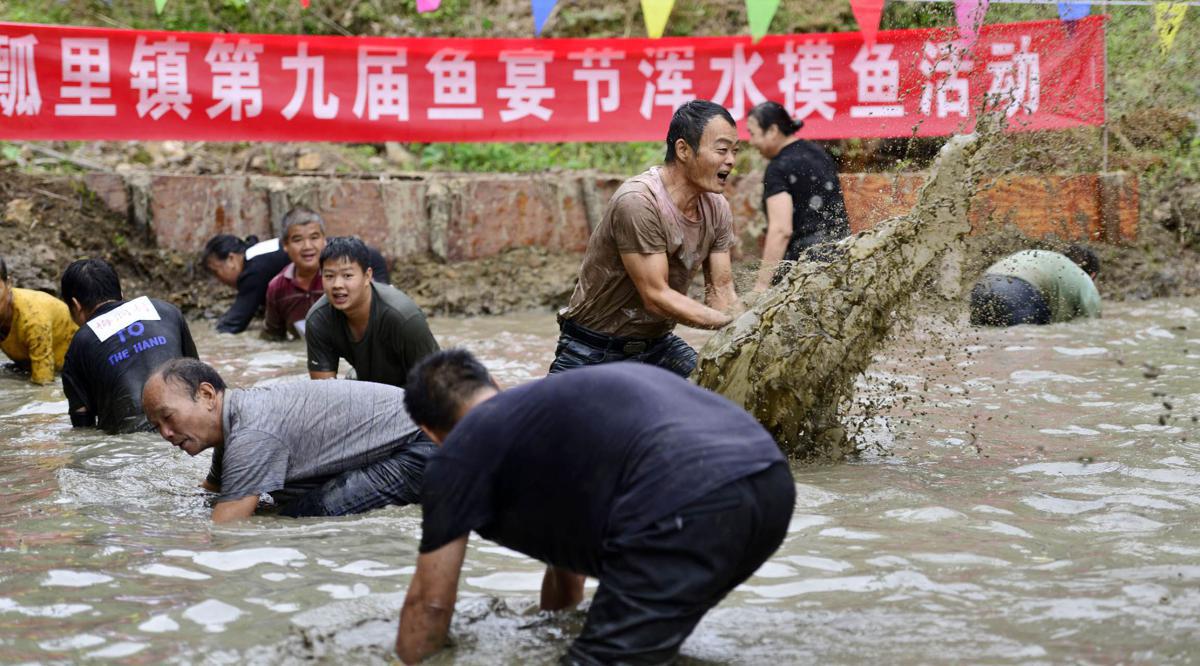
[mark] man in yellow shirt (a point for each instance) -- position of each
(35, 329)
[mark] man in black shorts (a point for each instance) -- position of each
(117, 346)
(670, 495)
(318, 448)
(376, 327)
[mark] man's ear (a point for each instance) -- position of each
(683, 151)
(370, 274)
(436, 436)
(206, 392)
(76, 308)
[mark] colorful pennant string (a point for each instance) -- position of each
(656, 13)
(760, 13)
(867, 13)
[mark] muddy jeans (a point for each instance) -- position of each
(579, 346)
(393, 480)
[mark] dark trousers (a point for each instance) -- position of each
(392, 480)
(1000, 300)
(579, 346)
(657, 584)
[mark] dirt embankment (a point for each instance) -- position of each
(47, 223)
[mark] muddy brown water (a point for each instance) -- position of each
(1027, 497)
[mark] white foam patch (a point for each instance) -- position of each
(68, 578)
(986, 508)
(237, 560)
(998, 527)
(117, 650)
(1032, 376)
(347, 591)
(168, 571)
(1070, 430)
(77, 642)
(775, 570)
(213, 615)
(819, 563)
(373, 569)
(929, 514)
(158, 624)
(1119, 521)
(1081, 351)
(1069, 468)
(271, 605)
(1058, 505)
(852, 535)
(960, 559)
(803, 521)
(53, 610)
(41, 407)
(508, 582)
(276, 576)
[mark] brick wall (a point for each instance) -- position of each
(462, 217)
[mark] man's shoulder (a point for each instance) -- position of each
(281, 280)
(395, 302)
(320, 312)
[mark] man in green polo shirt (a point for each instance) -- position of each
(1037, 287)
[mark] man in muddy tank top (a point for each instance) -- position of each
(659, 229)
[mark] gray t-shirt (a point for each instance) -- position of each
(279, 435)
(397, 336)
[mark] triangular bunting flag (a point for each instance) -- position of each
(1168, 16)
(425, 5)
(158, 6)
(970, 15)
(541, 12)
(760, 13)
(867, 13)
(656, 13)
(1073, 11)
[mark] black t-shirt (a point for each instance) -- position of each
(554, 467)
(804, 170)
(252, 290)
(105, 377)
(397, 336)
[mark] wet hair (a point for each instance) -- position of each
(773, 113)
(91, 282)
(223, 245)
(299, 216)
(347, 247)
(190, 373)
(440, 384)
(3, 270)
(689, 122)
(1084, 257)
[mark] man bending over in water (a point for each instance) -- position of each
(1037, 287)
(671, 496)
(658, 230)
(319, 448)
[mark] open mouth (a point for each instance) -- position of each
(339, 299)
(722, 176)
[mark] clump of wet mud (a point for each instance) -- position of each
(519, 279)
(45, 224)
(791, 360)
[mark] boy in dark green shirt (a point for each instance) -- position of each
(376, 327)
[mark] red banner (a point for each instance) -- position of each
(92, 83)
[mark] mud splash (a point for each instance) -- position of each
(791, 359)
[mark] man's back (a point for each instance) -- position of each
(554, 467)
(1068, 290)
(307, 431)
(110, 358)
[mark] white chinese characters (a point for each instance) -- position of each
(672, 87)
(596, 69)
(382, 85)
(737, 81)
(807, 83)
(1016, 82)
(454, 86)
(525, 84)
(945, 91)
(19, 94)
(159, 73)
(85, 75)
(235, 80)
(323, 106)
(878, 83)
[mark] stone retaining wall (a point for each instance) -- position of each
(472, 216)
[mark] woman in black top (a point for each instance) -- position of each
(802, 197)
(248, 265)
